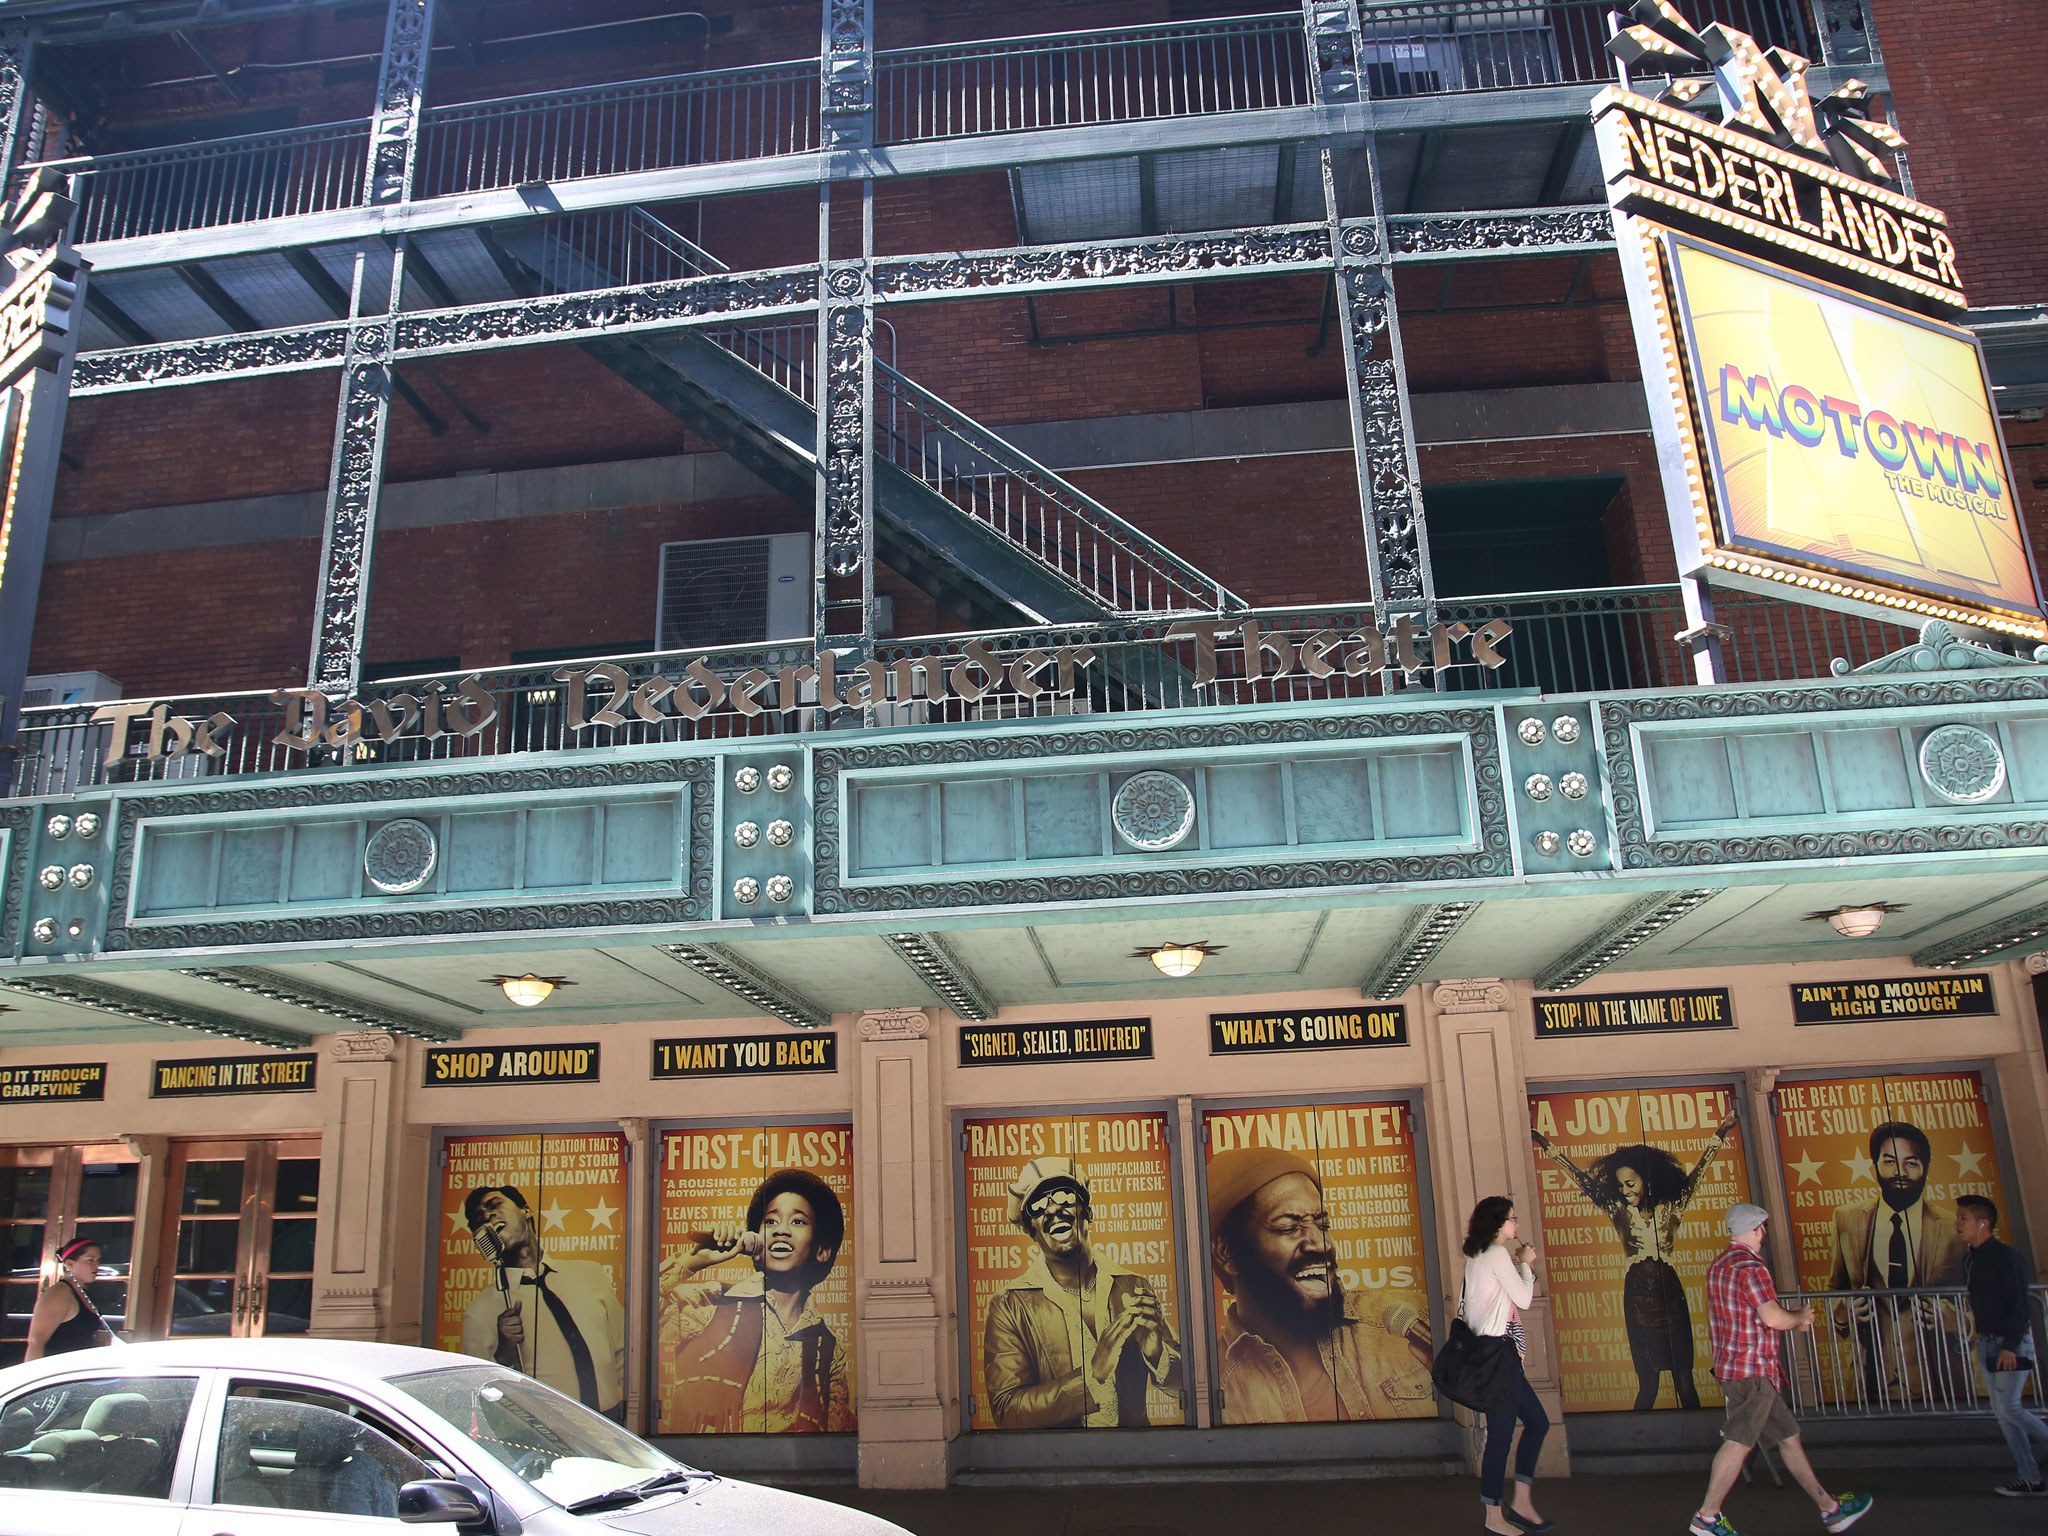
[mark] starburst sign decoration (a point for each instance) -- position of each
(1757, 90)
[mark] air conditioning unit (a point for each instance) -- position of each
(69, 688)
(62, 759)
(749, 591)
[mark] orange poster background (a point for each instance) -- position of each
(1824, 1128)
(575, 1188)
(1582, 1254)
(1365, 1154)
(708, 1178)
(1129, 1163)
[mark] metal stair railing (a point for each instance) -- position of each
(1033, 509)
(706, 117)
(220, 181)
(1029, 506)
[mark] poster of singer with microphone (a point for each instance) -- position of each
(1315, 1242)
(533, 1259)
(755, 1304)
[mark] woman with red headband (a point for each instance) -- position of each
(65, 1318)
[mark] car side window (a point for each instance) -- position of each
(116, 1434)
(287, 1448)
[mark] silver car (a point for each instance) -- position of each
(260, 1437)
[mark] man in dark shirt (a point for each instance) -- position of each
(1997, 1277)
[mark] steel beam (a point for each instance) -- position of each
(1637, 923)
(1420, 938)
(721, 964)
(269, 985)
(846, 64)
(1981, 946)
(137, 1009)
(362, 418)
(944, 972)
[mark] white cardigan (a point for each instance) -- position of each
(1495, 1286)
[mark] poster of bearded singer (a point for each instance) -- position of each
(1315, 1252)
(1073, 1272)
(1873, 1166)
(1632, 1185)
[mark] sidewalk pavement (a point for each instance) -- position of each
(1909, 1503)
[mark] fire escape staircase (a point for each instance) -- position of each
(960, 511)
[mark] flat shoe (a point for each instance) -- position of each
(1534, 1527)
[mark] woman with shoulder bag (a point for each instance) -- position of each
(64, 1318)
(1500, 1279)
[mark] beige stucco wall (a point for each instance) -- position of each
(1470, 1058)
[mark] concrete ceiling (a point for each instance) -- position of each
(1273, 946)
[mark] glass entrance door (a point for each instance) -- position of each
(239, 1238)
(49, 1195)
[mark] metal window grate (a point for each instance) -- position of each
(713, 592)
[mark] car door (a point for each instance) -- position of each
(287, 1458)
(98, 1452)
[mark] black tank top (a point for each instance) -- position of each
(83, 1329)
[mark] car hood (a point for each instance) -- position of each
(723, 1507)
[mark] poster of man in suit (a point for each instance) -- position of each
(1873, 1166)
(531, 1242)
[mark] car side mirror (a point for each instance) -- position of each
(437, 1500)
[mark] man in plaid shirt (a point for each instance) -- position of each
(1745, 1319)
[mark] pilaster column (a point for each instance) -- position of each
(1479, 1146)
(363, 416)
(353, 1251)
(641, 1237)
(145, 1261)
(901, 1282)
(17, 105)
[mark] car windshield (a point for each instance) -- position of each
(567, 1452)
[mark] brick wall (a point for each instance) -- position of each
(1967, 84)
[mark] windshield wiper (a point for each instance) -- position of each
(633, 1493)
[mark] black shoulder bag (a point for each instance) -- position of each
(1472, 1369)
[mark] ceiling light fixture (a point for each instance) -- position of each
(1178, 960)
(1856, 922)
(528, 991)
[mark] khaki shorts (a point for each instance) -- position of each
(1757, 1414)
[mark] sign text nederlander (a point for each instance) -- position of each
(606, 697)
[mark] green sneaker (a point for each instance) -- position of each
(1849, 1508)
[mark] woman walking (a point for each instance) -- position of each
(1500, 1279)
(1645, 1192)
(65, 1318)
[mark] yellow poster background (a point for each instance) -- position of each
(1585, 1258)
(1129, 1163)
(1365, 1156)
(1821, 505)
(574, 1184)
(708, 1178)
(1879, 1349)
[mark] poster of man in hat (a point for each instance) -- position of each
(1075, 1308)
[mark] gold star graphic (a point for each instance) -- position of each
(457, 1220)
(554, 1218)
(1968, 1162)
(1859, 1168)
(1808, 1169)
(601, 1215)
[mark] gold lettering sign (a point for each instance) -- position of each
(1661, 162)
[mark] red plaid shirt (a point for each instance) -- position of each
(1744, 1345)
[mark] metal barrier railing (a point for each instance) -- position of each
(1895, 1354)
(942, 91)
(704, 118)
(219, 181)
(1612, 640)
(1110, 75)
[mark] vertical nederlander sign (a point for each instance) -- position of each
(1827, 433)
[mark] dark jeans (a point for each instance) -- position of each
(1500, 1427)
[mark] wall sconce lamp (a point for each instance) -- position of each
(528, 991)
(1858, 922)
(1178, 960)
